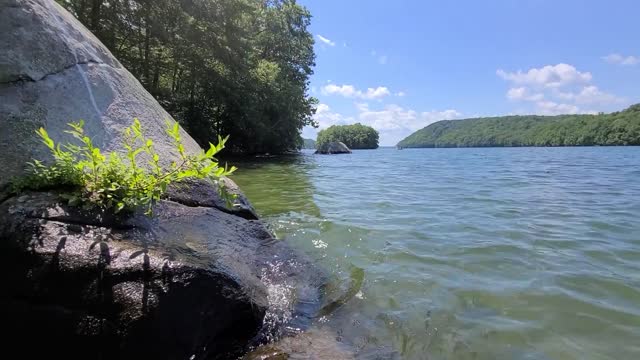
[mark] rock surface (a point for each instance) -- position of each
(201, 193)
(317, 344)
(189, 281)
(54, 71)
(198, 280)
(335, 147)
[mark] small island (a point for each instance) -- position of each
(617, 128)
(356, 136)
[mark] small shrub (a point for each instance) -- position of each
(118, 182)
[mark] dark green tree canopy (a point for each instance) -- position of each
(356, 136)
(221, 67)
(618, 128)
(309, 144)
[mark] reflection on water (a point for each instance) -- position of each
(282, 186)
(528, 253)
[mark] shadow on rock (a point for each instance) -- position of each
(190, 283)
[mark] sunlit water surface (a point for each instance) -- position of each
(512, 253)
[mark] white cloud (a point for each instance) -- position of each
(547, 76)
(344, 90)
(325, 40)
(325, 117)
(621, 60)
(393, 122)
(400, 93)
(553, 108)
(522, 93)
(351, 92)
(433, 116)
(362, 107)
(378, 92)
(590, 95)
(322, 108)
(557, 89)
(557, 102)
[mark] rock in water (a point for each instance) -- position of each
(195, 281)
(191, 281)
(83, 282)
(317, 344)
(335, 147)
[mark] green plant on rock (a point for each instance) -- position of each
(119, 182)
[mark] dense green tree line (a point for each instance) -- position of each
(309, 144)
(618, 128)
(221, 67)
(356, 136)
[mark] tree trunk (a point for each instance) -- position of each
(147, 54)
(156, 75)
(95, 15)
(81, 11)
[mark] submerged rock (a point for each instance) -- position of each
(318, 344)
(335, 147)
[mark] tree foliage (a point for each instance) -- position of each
(356, 136)
(234, 67)
(309, 144)
(618, 128)
(114, 182)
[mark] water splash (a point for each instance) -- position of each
(281, 295)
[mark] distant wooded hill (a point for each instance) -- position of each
(309, 144)
(618, 128)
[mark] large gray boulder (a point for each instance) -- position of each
(197, 280)
(54, 71)
(191, 281)
(335, 147)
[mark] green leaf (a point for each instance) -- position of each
(45, 138)
(115, 183)
(211, 152)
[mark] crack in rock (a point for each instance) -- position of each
(26, 78)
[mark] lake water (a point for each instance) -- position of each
(491, 253)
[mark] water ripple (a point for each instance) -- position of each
(526, 253)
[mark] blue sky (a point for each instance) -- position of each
(401, 65)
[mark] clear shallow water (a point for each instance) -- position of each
(496, 253)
